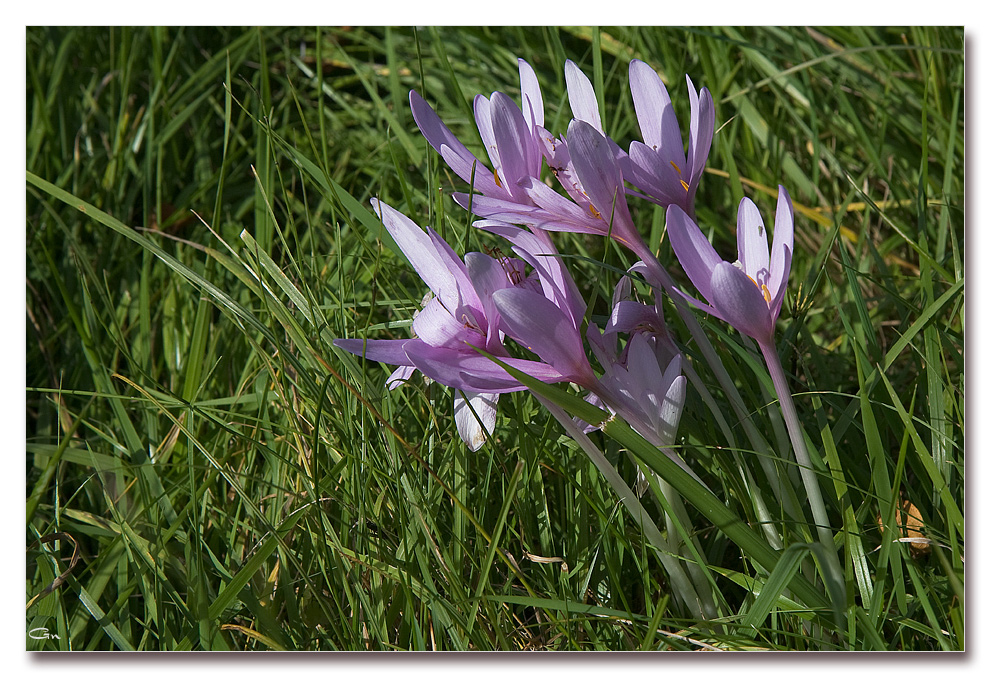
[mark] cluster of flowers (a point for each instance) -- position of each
(483, 301)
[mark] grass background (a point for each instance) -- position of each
(198, 232)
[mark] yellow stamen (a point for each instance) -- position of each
(763, 290)
(497, 182)
(685, 186)
(676, 168)
(594, 212)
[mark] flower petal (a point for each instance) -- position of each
(517, 153)
(474, 413)
(672, 408)
(740, 303)
(783, 245)
(694, 252)
(532, 98)
(468, 303)
(543, 328)
(581, 95)
(436, 326)
(483, 118)
(474, 372)
(389, 351)
(536, 249)
(650, 98)
(488, 276)
(440, 137)
(420, 250)
(751, 239)
(400, 376)
(702, 132)
(598, 171)
(651, 174)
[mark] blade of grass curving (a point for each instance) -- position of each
(702, 498)
(954, 518)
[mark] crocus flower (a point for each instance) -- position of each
(635, 385)
(512, 138)
(459, 315)
(659, 167)
(598, 197)
(517, 144)
(749, 293)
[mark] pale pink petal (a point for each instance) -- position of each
(740, 303)
(694, 252)
(783, 245)
(474, 415)
(581, 95)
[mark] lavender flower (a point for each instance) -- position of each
(459, 315)
(598, 201)
(512, 137)
(659, 166)
(634, 384)
(749, 293)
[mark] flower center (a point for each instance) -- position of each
(677, 169)
(763, 290)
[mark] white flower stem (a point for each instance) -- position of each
(785, 497)
(805, 467)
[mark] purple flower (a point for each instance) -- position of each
(659, 167)
(459, 315)
(598, 196)
(634, 384)
(512, 137)
(749, 293)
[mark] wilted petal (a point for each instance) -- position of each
(474, 413)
